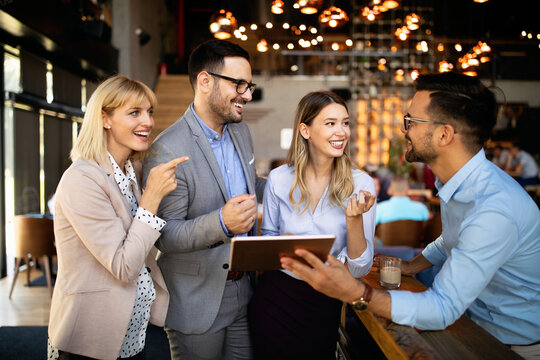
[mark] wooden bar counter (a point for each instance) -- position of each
(462, 340)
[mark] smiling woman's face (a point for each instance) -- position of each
(329, 131)
(128, 128)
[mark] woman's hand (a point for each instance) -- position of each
(161, 181)
(359, 204)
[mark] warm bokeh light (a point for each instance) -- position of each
(277, 6)
(458, 47)
(333, 17)
(223, 24)
(262, 45)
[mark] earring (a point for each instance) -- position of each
(108, 127)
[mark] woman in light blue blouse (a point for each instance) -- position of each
(316, 192)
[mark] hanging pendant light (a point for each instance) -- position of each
(333, 17)
(413, 21)
(308, 7)
(223, 24)
(277, 6)
(390, 4)
(262, 45)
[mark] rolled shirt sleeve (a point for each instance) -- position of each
(482, 247)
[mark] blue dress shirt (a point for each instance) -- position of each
(280, 217)
(401, 208)
(489, 251)
(228, 161)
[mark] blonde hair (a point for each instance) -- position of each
(341, 181)
(111, 94)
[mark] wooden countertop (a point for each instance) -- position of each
(462, 340)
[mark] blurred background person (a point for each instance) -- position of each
(399, 206)
(500, 156)
(522, 166)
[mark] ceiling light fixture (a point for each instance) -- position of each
(390, 4)
(308, 7)
(413, 21)
(262, 45)
(333, 17)
(223, 24)
(277, 6)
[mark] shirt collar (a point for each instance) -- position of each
(210, 134)
(446, 191)
(119, 176)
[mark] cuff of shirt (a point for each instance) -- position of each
(434, 253)
(223, 225)
(147, 217)
(357, 267)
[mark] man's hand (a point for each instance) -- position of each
(239, 214)
(333, 279)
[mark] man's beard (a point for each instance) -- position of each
(428, 155)
(223, 108)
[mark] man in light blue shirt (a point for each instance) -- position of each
(489, 249)
(399, 206)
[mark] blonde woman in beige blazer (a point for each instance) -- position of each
(108, 286)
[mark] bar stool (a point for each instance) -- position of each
(33, 236)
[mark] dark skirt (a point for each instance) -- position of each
(290, 320)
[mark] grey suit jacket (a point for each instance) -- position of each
(194, 249)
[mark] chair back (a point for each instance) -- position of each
(401, 232)
(33, 236)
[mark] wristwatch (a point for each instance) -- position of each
(362, 303)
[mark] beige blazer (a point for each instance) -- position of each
(101, 250)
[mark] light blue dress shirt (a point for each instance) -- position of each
(401, 208)
(489, 251)
(280, 217)
(228, 161)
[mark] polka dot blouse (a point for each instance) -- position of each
(135, 337)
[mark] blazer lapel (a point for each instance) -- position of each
(206, 149)
(244, 156)
(126, 216)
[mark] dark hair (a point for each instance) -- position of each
(210, 55)
(463, 102)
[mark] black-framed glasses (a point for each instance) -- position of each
(407, 119)
(241, 85)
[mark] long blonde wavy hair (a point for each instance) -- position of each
(111, 94)
(341, 181)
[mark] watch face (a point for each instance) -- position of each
(360, 305)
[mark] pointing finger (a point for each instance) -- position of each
(177, 161)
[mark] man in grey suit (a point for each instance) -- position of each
(215, 200)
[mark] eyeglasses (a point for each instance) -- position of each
(407, 119)
(241, 85)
